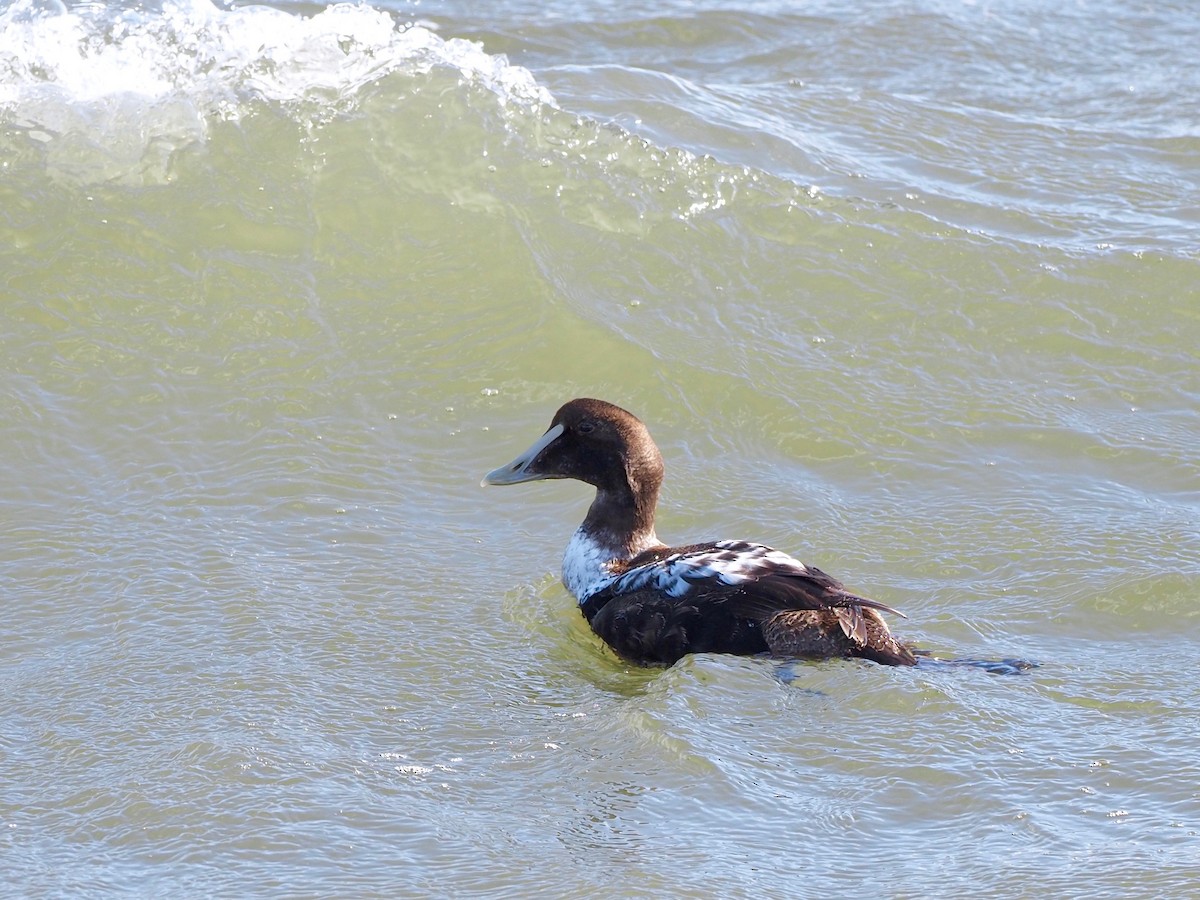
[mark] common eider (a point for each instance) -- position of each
(654, 604)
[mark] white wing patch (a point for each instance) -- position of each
(586, 567)
(729, 562)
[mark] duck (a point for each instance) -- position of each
(654, 604)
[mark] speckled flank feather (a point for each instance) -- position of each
(589, 567)
(729, 562)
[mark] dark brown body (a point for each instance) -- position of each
(818, 634)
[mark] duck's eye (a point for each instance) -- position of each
(586, 427)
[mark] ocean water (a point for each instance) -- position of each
(909, 288)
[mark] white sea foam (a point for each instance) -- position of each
(195, 47)
(131, 82)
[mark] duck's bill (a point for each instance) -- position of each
(521, 468)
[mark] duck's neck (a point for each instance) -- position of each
(623, 519)
(619, 525)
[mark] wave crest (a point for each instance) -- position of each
(132, 82)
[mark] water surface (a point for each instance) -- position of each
(908, 289)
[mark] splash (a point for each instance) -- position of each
(128, 87)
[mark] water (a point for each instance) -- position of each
(906, 288)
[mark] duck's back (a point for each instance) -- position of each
(735, 597)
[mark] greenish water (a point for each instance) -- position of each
(906, 290)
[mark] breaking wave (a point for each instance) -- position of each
(134, 85)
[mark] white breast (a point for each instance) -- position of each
(585, 565)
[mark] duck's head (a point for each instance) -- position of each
(594, 442)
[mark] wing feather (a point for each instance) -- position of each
(733, 580)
